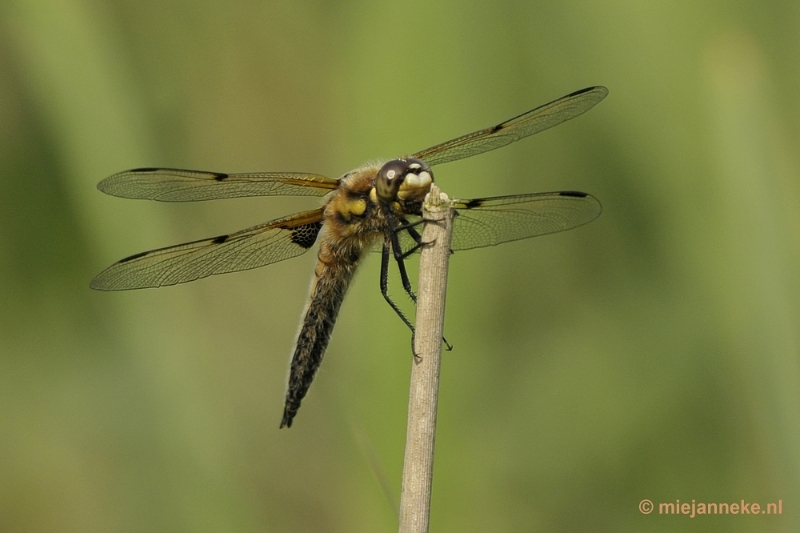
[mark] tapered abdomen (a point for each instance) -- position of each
(331, 279)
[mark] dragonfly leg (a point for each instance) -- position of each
(385, 287)
(410, 227)
(405, 224)
(400, 257)
(385, 293)
(419, 244)
(415, 235)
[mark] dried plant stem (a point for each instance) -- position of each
(415, 497)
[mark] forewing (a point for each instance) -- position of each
(491, 221)
(250, 248)
(178, 185)
(533, 121)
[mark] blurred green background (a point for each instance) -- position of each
(651, 354)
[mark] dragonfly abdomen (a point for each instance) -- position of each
(331, 279)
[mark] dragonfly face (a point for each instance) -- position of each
(373, 205)
(403, 178)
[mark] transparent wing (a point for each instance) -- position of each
(533, 121)
(178, 185)
(249, 248)
(491, 221)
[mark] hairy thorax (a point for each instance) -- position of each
(355, 220)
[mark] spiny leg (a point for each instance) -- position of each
(410, 227)
(390, 237)
(415, 235)
(401, 265)
(385, 286)
(385, 293)
(400, 256)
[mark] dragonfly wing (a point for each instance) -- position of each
(491, 221)
(249, 248)
(178, 185)
(528, 123)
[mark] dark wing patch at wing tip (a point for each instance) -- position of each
(144, 169)
(220, 239)
(220, 176)
(581, 91)
(598, 88)
(574, 194)
(132, 257)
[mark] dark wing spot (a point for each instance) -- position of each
(145, 169)
(497, 128)
(220, 239)
(220, 176)
(471, 204)
(134, 256)
(306, 235)
(586, 90)
(575, 194)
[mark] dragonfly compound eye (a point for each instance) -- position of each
(399, 177)
(389, 178)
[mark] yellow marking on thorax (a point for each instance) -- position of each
(348, 208)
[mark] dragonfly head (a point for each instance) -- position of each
(400, 178)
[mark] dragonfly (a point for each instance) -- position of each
(377, 206)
